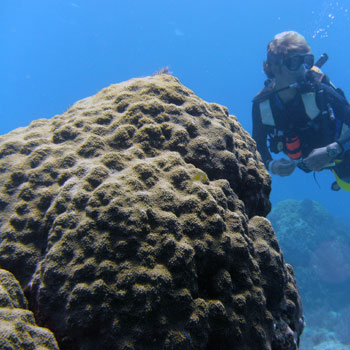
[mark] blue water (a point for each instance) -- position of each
(56, 52)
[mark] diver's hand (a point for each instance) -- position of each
(317, 159)
(282, 167)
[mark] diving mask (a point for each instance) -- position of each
(293, 63)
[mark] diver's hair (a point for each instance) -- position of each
(281, 46)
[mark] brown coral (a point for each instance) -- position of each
(17, 325)
(132, 220)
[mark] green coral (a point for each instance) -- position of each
(134, 222)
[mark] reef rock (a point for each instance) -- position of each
(17, 325)
(135, 220)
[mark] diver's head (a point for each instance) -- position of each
(288, 57)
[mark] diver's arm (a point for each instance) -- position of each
(321, 157)
(341, 110)
(343, 139)
(260, 136)
(281, 167)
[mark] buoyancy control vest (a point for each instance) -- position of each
(319, 120)
(317, 114)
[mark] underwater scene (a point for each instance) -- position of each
(174, 175)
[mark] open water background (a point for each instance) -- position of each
(56, 52)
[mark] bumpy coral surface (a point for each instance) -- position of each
(18, 330)
(134, 222)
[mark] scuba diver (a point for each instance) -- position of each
(300, 113)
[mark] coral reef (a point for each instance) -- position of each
(318, 247)
(135, 220)
(17, 325)
(342, 328)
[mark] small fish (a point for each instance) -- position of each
(163, 70)
(199, 177)
(187, 335)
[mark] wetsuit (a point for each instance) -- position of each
(291, 120)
